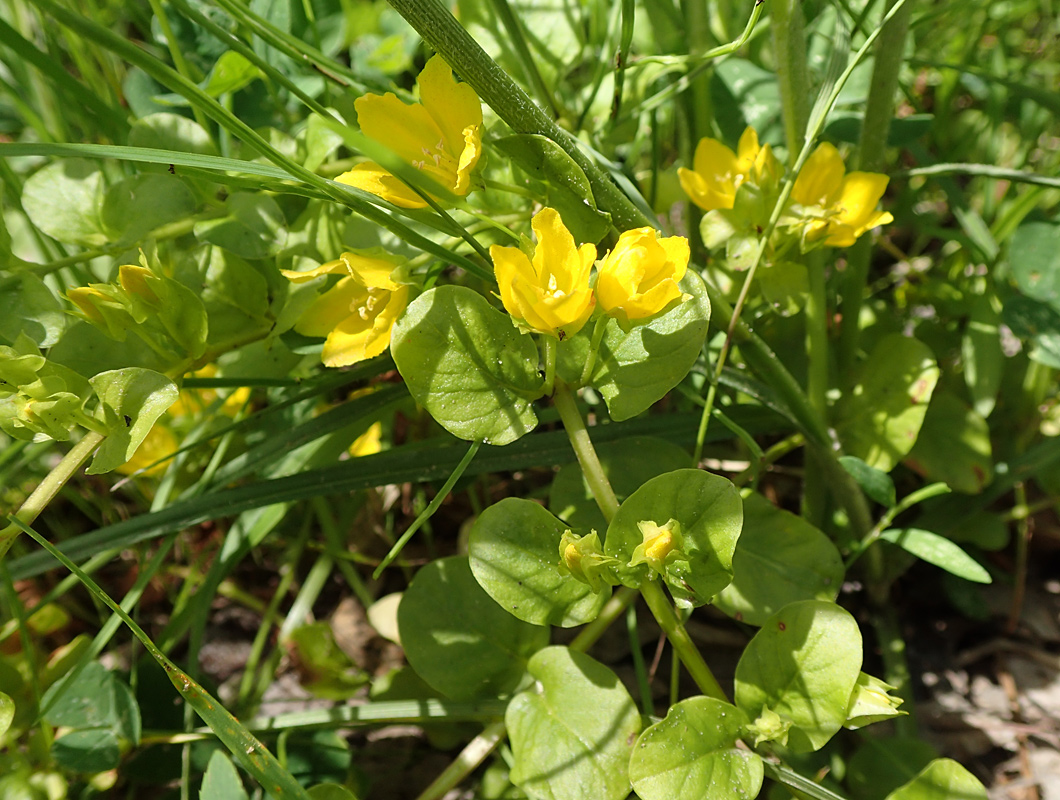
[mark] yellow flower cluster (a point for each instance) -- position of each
(830, 205)
(550, 292)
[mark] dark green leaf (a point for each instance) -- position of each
(876, 483)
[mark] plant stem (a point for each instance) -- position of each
(789, 47)
(594, 349)
(814, 489)
(679, 639)
(584, 450)
(550, 346)
(49, 487)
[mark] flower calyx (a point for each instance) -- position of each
(583, 558)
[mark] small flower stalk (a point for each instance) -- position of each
(441, 136)
(358, 313)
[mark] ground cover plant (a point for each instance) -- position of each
(602, 392)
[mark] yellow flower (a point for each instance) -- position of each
(369, 442)
(659, 542)
(848, 200)
(718, 172)
(358, 313)
(550, 294)
(441, 135)
(584, 559)
(638, 279)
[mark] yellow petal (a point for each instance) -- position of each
(469, 157)
(677, 252)
(860, 194)
(821, 179)
(372, 178)
(408, 130)
(715, 162)
(371, 271)
(555, 250)
(700, 192)
(331, 268)
(747, 150)
(453, 106)
(331, 308)
(510, 265)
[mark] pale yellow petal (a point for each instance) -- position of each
(330, 268)
(453, 106)
(372, 178)
(821, 179)
(371, 271)
(331, 308)
(407, 130)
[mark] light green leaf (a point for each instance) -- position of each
(458, 639)
(879, 420)
(937, 550)
(221, 780)
(168, 131)
(7, 712)
(131, 399)
(28, 307)
(468, 365)
(802, 665)
(1039, 324)
(331, 791)
(514, 553)
(230, 74)
(692, 755)
(942, 779)
(572, 733)
(65, 200)
(567, 189)
(134, 207)
(1034, 258)
(981, 355)
(953, 446)
(636, 369)
(254, 226)
(780, 558)
(710, 514)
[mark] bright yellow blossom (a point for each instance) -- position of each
(638, 279)
(358, 313)
(718, 172)
(847, 199)
(440, 135)
(550, 294)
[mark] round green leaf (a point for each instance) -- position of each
(937, 550)
(136, 206)
(710, 513)
(28, 307)
(468, 365)
(780, 558)
(953, 446)
(93, 750)
(7, 712)
(942, 779)
(64, 199)
(253, 228)
(691, 755)
(458, 639)
(880, 419)
(572, 733)
(802, 665)
(132, 399)
(628, 463)
(514, 552)
(636, 369)
(1034, 258)
(221, 780)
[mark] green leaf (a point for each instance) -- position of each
(882, 764)
(231, 73)
(458, 639)
(7, 712)
(567, 189)
(879, 420)
(802, 665)
(1039, 324)
(331, 791)
(937, 550)
(221, 780)
(329, 672)
(953, 446)
(134, 207)
(625, 466)
(710, 513)
(468, 365)
(514, 553)
(64, 200)
(28, 307)
(169, 131)
(92, 750)
(942, 779)
(131, 400)
(1034, 258)
(254, 226)
(636, 369)
(876, 483)
(692, 755)
(982, 356)
(572, 733)
(780, 558)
